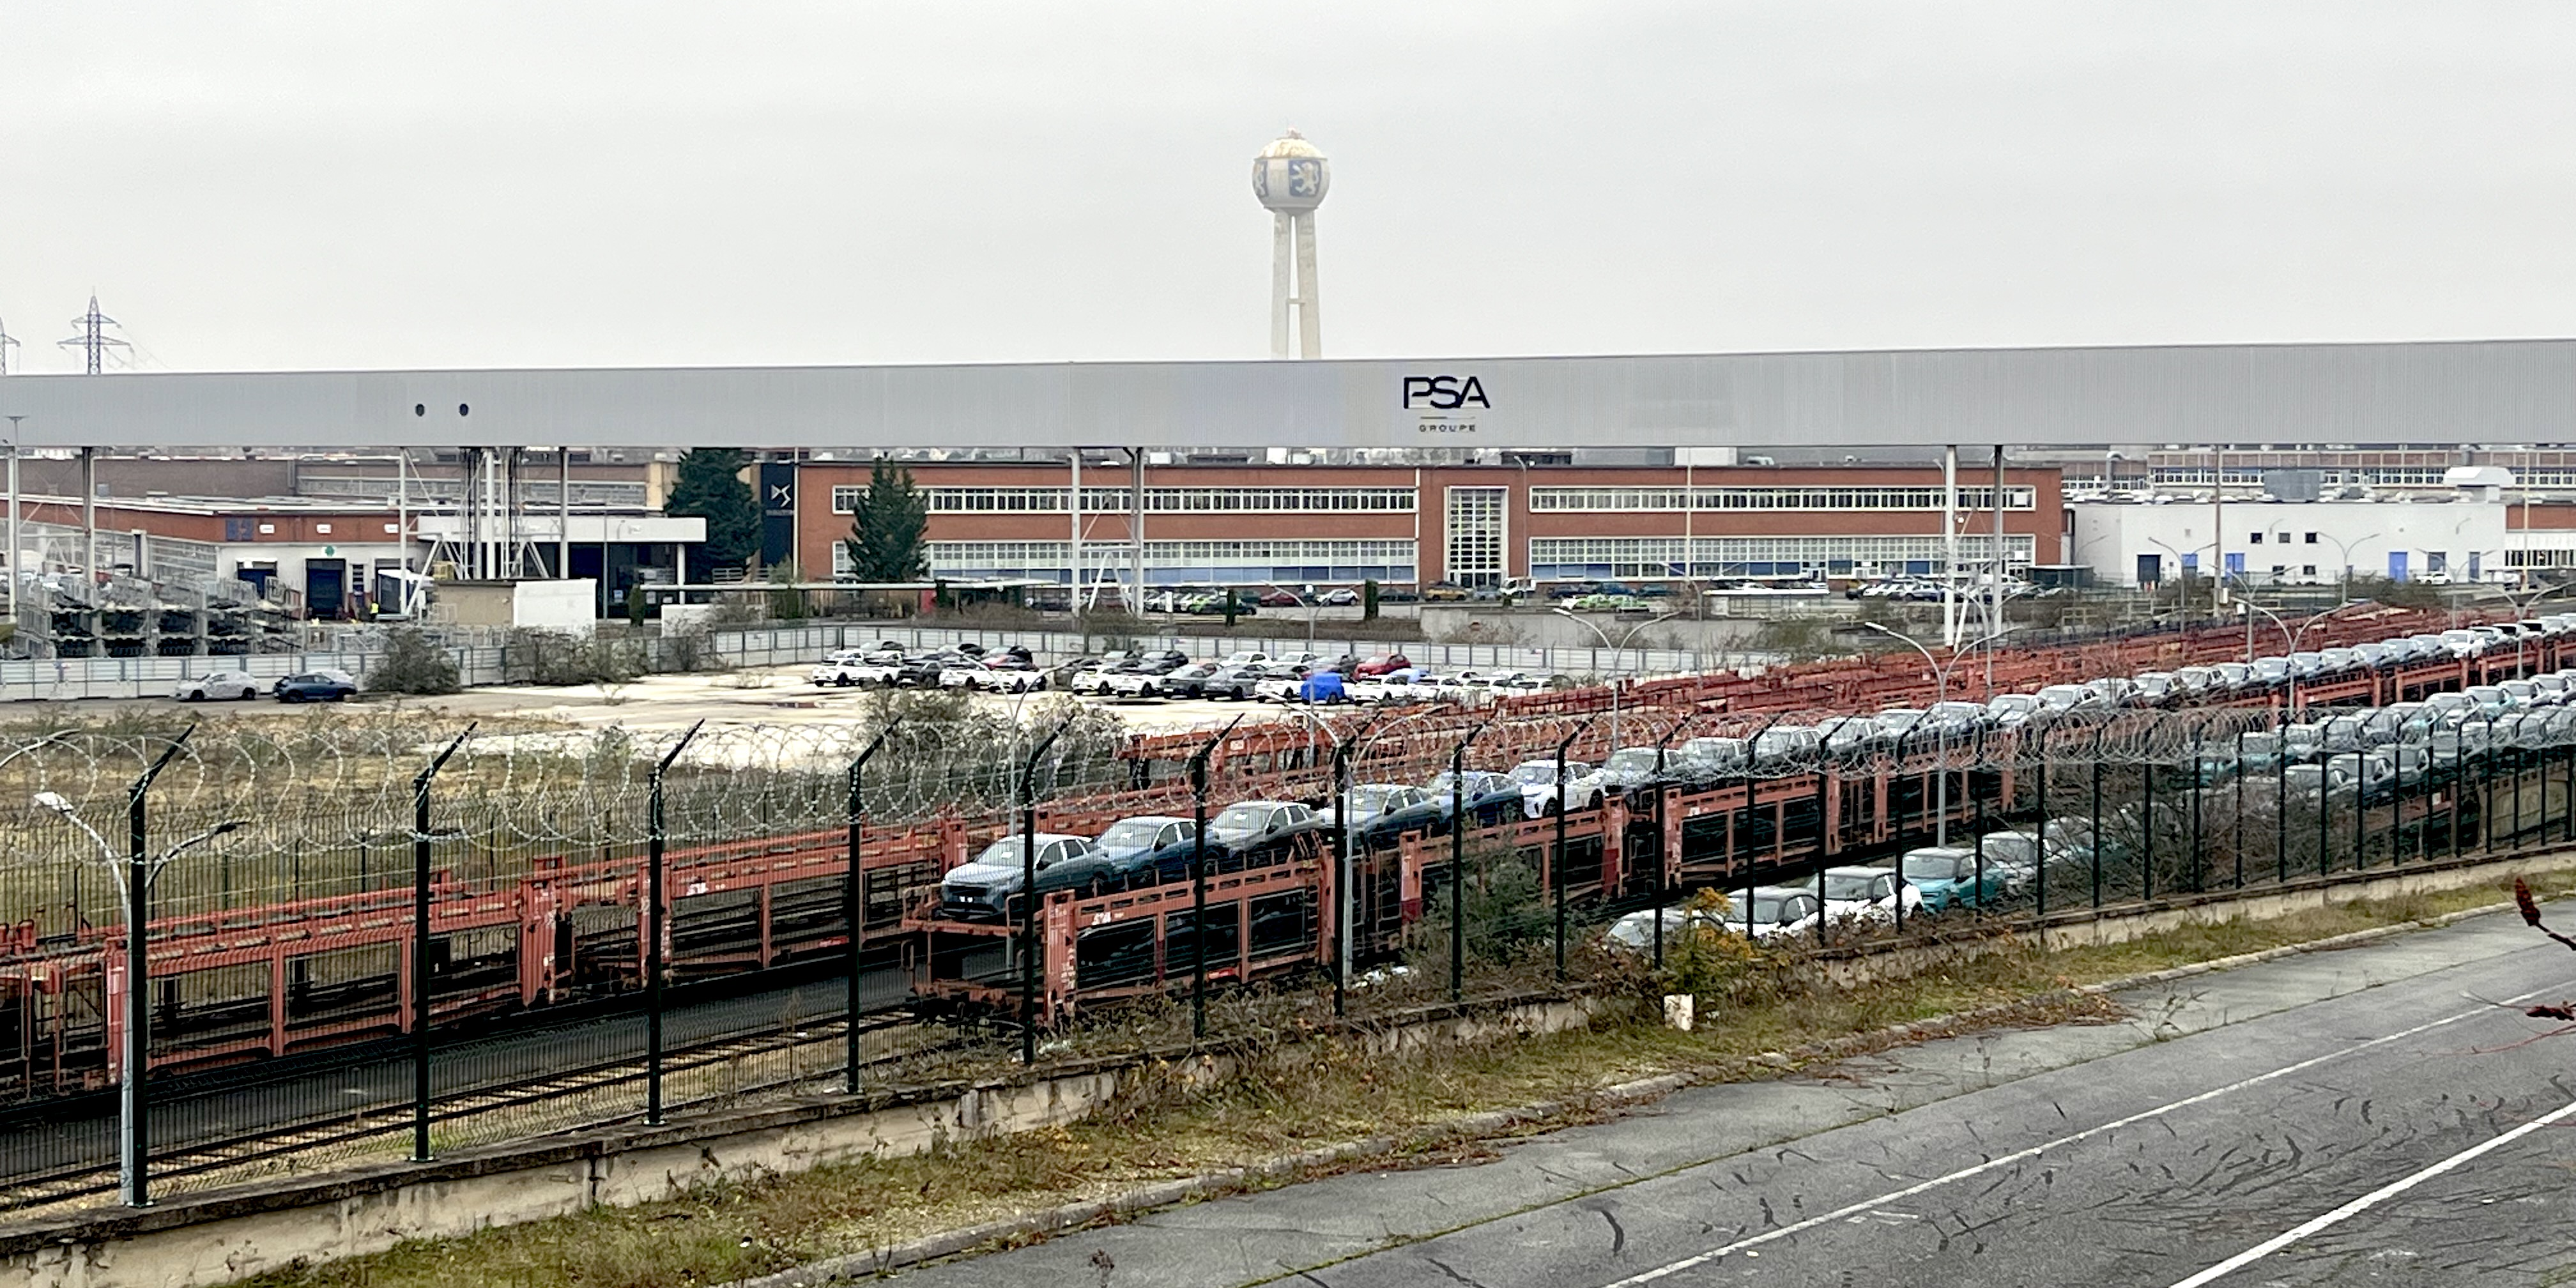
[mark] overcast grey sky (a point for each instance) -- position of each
(454, 184)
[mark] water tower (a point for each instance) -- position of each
(1289, 179)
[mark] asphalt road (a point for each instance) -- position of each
(2362, 1116)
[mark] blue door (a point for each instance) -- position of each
(2397, 565)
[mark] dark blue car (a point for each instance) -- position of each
(317, 686)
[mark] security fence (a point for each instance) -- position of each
(398, 935)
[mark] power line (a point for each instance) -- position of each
(93, 340)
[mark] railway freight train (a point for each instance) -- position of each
(302, 975)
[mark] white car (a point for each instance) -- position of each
(1774, 911)
(998, 679)
(989, 679)
(1868, 895)
(1279, 684)
(218, 686)
(1537, 779)
(850, 674)
(1244, 657)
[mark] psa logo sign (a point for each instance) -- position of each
(1443, 393)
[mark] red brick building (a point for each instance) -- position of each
(1250, 525)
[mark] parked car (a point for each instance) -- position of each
(851, 673)
(1490, 797)
(1372, 802)
(1536, 782)
(218, 686)
(989, 888)
(1247, 825)
(1772, 912)
(1235, 682)
(1339, 597)
(1947, 876)
(1444, 592)
(1322, 688)
(1180, 682)
(1868, 895)
(1135, 849)
(317, 686)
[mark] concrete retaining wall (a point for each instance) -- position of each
(218, 1237)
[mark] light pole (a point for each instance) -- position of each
(1940, 732)
(141, 868)
(1615, 650)
(1304, 603)
(2182, 576)
(2343, 556)
(14, 440)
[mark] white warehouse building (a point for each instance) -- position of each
(2132, 543)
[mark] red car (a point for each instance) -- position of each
(1381, 664)
(1279, 599)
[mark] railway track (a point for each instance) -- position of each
(597, 1095)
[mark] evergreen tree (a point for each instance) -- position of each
(710, 487)
(885, 539)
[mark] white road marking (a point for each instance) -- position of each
(1892, 1196)
(2367, 1201)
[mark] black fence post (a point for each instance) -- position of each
(854, 903)
(1029, 897)
(2039, 877)
(1198, 880)
(1556, 866)
(656, 839)
(2281, 796)
(2486, 790)
(2096, 839)
(420, 927)
(1663, 862)
(1458, 862)
(2147, 820)
(2198, 862)
(2325, 800)
(2237, 846)
(2459, 782)
(2360, 810)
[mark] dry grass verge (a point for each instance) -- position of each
(1294, 1098)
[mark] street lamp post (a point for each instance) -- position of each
(1941, 733)
(1615, 650)
(2343, 558)
(1304, 603)
(141, 868)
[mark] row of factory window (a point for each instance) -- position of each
(1169, 563)
(1597, 499)
(1550, 559)
(1158, 500)
(1578, 558)
(1401, 500)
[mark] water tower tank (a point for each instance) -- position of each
(1290, 175)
